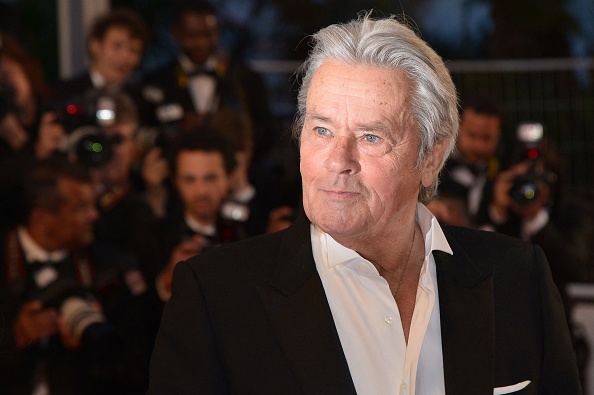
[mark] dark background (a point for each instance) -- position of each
(526, 53)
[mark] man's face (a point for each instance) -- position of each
(117, 55)
(478, 136)
(72, 225)
(197, 35)
(359, 147)
(202, 184)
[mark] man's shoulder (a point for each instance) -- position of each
(162, 74)
(257, 258)
(256, 250)
(508, 258)
(485, 245)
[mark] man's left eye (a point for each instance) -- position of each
(371, 138)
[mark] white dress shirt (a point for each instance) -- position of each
(202, 87)
(368, 321)
(35, 253)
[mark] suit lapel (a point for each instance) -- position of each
(298, 309)
(467, 323)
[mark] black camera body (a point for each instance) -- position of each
(526, 188)
(95, 107)
(91, 145)
(84, 119)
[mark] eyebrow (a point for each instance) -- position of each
(377, 126)
(373, 126)
(317, 117)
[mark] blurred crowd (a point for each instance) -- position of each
(108, 181)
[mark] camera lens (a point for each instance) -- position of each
(79, 314)
(94, 149)
(524, 192)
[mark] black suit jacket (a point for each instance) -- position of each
(253, 318)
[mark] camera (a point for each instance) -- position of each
(526, 187)
(96, 107)
(97, 337)
(91, 145)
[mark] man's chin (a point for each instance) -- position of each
(338, 224)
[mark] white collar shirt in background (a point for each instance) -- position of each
(368, 321)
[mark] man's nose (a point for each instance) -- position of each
(343, 156)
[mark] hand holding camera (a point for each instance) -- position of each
(517, 191)
(34, 322)
(525, 188)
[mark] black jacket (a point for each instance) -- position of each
(252, 318)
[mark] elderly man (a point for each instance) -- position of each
(368, 294)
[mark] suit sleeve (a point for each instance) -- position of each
(184, 359)
(559, 370)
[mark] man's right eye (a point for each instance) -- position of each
(322, 131)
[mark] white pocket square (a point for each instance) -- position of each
(510, 388)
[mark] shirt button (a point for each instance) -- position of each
(403, 388)
(363, 267)
(388, 319)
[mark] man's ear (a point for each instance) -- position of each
(94, 47)
(433, 162)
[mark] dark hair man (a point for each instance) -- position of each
(368, 294)
(115, 45)
(202, 80)
(471, 170)
(202, 167)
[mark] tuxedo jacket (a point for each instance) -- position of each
(252, 318)
(237, 88)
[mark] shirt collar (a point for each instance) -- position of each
(434, 239)
(34, 252)
(206, 230)
(97, 79)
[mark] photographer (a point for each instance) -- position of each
(64, 300)
(109, 148)
(529, 201)
(27, 132)
(23, 124)
(469, 172)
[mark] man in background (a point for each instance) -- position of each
(473, 166)
(202, 168)
(52, 274)
(115, 45)
(202, 80)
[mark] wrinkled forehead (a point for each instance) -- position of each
(359, 92)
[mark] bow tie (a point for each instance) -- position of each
(202, 71)
(47, 263)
